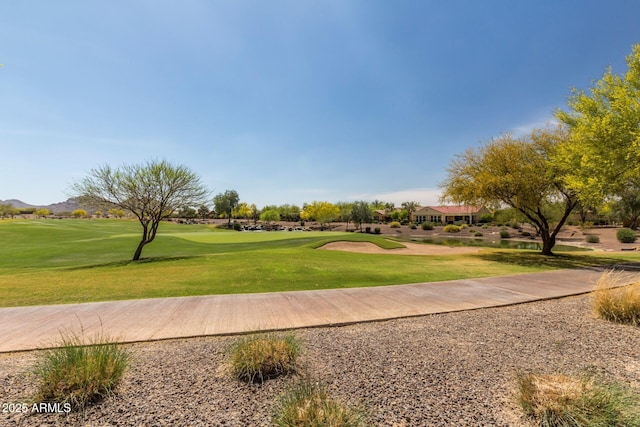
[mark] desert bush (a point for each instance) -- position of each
(514, 224)
(427, 225)
(526, 234)
(261, 357)
(376, 230)
(562, 401)
(237, 226)
(486, 218)
(413, 226)
(307, 404)
(451, 228)
(504, 234)
(76, 374)
(394, 224)
(616, 304)
(367, 230)
(592, 238)
(463, 226)
(477, 234)
(626, 235)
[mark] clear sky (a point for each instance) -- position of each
(288, 101)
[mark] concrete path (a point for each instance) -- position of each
(28, 328)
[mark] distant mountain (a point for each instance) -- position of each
(16, 203)
(69, 205)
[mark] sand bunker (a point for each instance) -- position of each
(410, 249)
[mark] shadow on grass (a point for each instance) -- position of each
(123, 263)
(559, 261)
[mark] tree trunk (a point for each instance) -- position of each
(548, 242)
(136, 256)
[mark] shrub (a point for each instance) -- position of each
(559, 400)
(376, 230)
(526, 234)
(394, 224)
(592, 238)
(76, 374)
(477, 234)
(451, 228)
(308, 404)
(413, 226)
(463, 226)
(626, 235)
(367, 230)
(427, 225)
(514, 224)
(260, 357)
(504, 234)
(616, 304)
(237, 226)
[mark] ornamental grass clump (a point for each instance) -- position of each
(78, 374)
(620, 304)
(257, 358)
(307, 404)
(563, 401)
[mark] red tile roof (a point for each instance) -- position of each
(451, 210)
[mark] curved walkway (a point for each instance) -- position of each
(28, 328)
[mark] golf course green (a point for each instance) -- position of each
(53, 261)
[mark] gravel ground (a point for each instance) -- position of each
(454, 369)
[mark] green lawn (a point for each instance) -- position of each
(67, 261)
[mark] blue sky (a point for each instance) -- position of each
(288, 101)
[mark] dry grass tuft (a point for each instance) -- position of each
(260, 357)
(77, 375)
(307, 404)
(617, 304)
(562, 401)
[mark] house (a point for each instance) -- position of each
(449, 214)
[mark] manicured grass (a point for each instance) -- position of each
(68, 261)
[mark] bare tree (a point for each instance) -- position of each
(151, 192)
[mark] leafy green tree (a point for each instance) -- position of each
(345, 212)
(118, 213)
(187, 212)
(150, 191)
(8, 210)
(43, 212)
(203, 212)
(255, 213)
(605, 134)
(399, 215)
(521, 173)
(270, 216)
(322, 212)
(410, 207)
(242, 211)
(361, 213)
(226, 202)
(289, 212)
(627, 206)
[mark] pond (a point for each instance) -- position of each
(497, 243)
